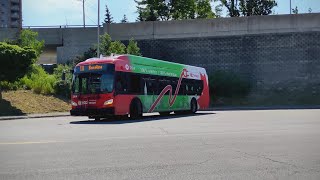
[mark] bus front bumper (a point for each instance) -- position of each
(92, 112)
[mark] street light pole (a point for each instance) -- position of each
(84, 19)
(98, 50)
(290, 7)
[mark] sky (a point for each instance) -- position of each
(69, 12)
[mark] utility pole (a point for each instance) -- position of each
(83, 13)
(290, 7)
(98, 50)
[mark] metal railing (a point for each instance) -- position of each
(61, 26)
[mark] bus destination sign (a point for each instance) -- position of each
(91, 68)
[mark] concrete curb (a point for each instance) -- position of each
(29, 116)
(278, 107)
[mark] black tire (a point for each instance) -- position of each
(193, 106)
(97, 118)
(181, 112)
(135, 109)
(166, 113)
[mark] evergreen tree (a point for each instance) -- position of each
(295, 10)
(124, 19)
(141, 16)
(108, 18)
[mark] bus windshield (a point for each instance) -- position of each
(93, 83)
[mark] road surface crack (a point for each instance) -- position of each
(163, 130)
(269, 159)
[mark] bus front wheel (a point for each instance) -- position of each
(193, 106)
(135, 109)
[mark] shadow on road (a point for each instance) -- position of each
(6, 109)
(127, 120)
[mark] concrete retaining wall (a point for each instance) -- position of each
(268, 60)
(215, 27)
(7, 34)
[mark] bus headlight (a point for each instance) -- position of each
(108, 102)
(74, 103)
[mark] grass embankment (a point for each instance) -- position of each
(26, 102)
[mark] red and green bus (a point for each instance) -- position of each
(131, 85)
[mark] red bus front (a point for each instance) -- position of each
(93, 90)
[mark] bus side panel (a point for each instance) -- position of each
(122, 104)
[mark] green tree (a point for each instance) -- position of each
(28, 38)
(15, 62)
(133, 48)
(124, 19)
(151, 15)
(108, 18)
(147, 10)
(63, 76)
(90, 53)
(232, 7)
(204, 9)
(249, 7)
(256, 7)
(117, 47)
(183, 9)
(105, 42)
(141, 15)
(218, 10)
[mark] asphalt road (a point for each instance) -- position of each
(265, 144)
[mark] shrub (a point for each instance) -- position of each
(104, 46)
(15, 61)
(28, 38)
(63, 87)
(226, 84)
(5, 85)
(117, 47)
(107, 46)
(133, 48)
(39, 81)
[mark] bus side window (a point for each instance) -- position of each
(174, 83)
(151, 85)
(182, 87)
(121, 83)
(135, 84)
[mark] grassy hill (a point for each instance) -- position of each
(26, 102)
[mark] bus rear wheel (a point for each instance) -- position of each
(193, 106)
(135, 109)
